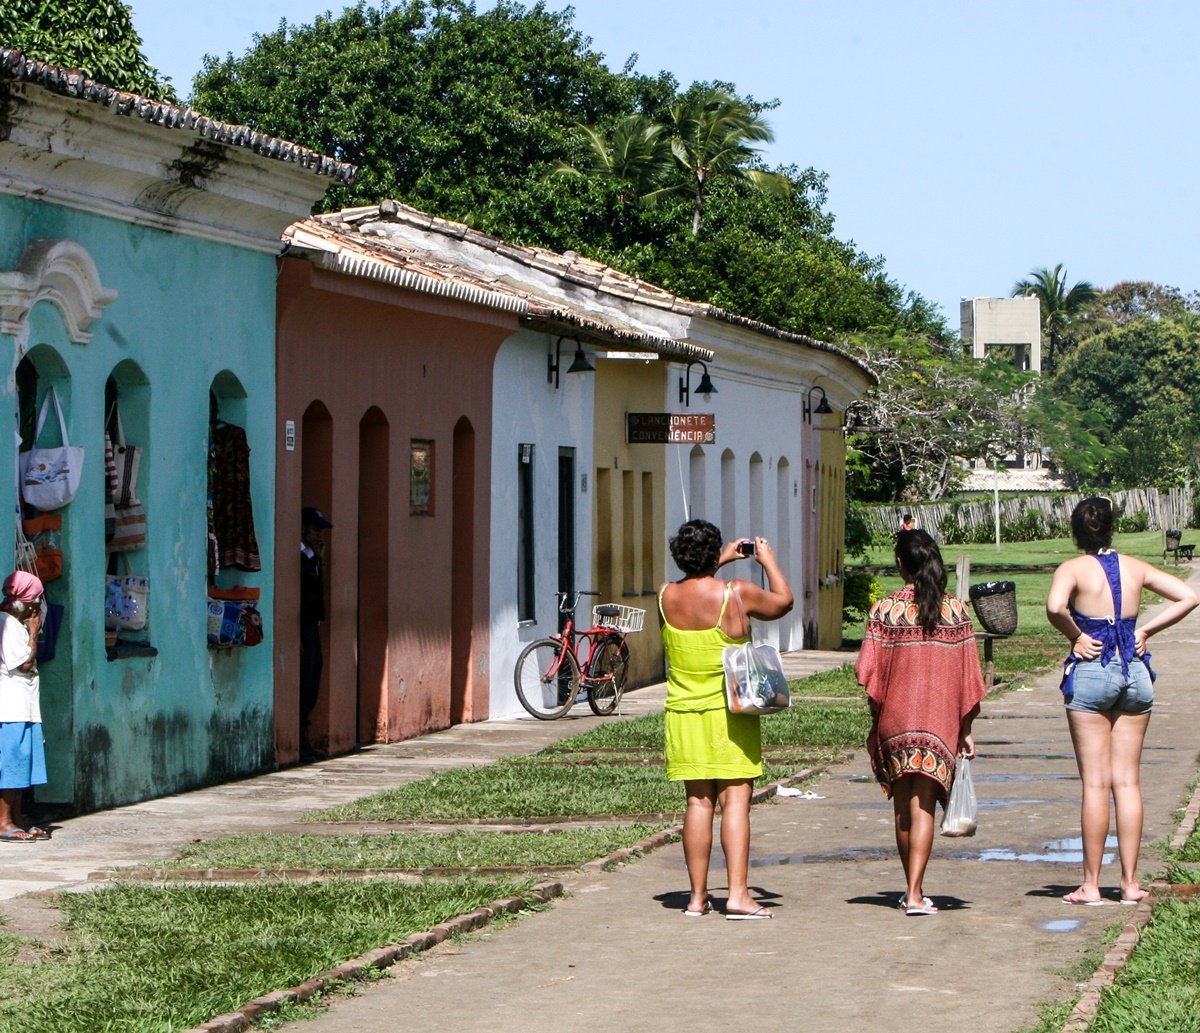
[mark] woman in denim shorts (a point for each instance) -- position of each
(1107, 683)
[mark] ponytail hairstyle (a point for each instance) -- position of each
(920, 561)
(1092, 523)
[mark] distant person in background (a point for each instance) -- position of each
(22, 747)
(312, 613)
(716, 754)
(908, 523)
(1108, 686)
(920, 667)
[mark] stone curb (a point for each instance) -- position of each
(374, 960)
(1187, 823)
(1119, 953)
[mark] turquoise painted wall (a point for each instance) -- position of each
(188, 313)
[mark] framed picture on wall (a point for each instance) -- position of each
(420, 478)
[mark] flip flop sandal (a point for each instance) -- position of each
(688, 913)
(747, 916)
(38, 832)
(17, 836)
(926, 908)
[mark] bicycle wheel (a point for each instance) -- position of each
(545, 686)
(606, 675)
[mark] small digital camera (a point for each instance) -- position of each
(746, 547)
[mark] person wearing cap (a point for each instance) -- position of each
(312, 613)
(22, 747)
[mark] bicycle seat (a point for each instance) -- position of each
(608, 610)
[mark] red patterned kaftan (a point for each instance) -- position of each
(920, 687)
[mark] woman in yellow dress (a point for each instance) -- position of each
(716, 754)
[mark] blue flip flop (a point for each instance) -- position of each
(16, 835)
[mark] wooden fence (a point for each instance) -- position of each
(1163, 509)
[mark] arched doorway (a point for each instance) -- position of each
(374, 494)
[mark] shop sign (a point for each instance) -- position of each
(670, 428)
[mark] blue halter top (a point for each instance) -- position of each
(1115, 634)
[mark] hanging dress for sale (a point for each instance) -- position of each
(235, 544)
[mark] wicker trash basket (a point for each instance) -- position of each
(995, 605)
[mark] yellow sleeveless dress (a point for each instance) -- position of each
(703, 739)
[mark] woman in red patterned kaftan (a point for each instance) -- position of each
(920, 667)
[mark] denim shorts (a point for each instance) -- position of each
(1099, 690)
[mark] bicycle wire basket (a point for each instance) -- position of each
(628, 620)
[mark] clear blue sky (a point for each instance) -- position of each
(966, 142)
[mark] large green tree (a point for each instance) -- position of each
(1061, 307)
(1140, 380)
(96, 36)
(468, 115)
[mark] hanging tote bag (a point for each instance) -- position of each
(127, 459)
(45, 534)
(50, 476)
(754, 678)
(128, 528)
(126, 601)
(962, 810)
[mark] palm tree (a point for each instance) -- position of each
(1060, 305)
(713, 134)
(635, 154)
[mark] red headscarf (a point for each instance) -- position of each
(20, 584)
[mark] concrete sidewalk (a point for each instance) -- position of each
(838, 955)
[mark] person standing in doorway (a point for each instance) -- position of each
(22, 749)
(312, 613)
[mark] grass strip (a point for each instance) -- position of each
(462, 848)
(837, 682)
(143, 959)
(535, 787)
(517, 788)
(1158, 990)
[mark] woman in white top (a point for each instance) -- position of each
(22, 747)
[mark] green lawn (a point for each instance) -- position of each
(461, 848)
(143, 959)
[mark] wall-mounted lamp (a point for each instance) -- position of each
(822, 408)
(705, 387)
(580, 365)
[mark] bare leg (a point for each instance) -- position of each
(735, 842)
(914, 799)
(1092, 736)
(1128, 733)
(698, 837)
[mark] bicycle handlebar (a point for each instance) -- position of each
(564, 596)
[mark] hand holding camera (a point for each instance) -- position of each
(746, 547)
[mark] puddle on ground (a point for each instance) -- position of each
(859, 854)
(1055, 851)
(1024, 778)
(990, 755)
(1060, 925)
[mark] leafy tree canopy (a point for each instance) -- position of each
(96, 36)
(470, 115)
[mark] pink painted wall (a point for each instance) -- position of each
(381, 367)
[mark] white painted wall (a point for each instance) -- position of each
(528, 409)
(758, 425)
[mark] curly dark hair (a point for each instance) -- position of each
(1092, 524)
(696, 547)
(920, 561)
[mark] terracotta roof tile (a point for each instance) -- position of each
(71, 82)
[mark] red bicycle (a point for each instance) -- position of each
(550, 671)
